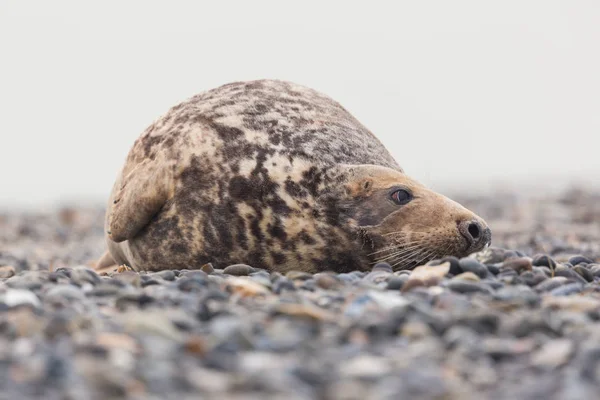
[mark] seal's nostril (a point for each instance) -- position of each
(474, 230)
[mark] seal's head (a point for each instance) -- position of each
(406, 224)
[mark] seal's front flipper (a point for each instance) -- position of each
(140, 195)
(106, 264)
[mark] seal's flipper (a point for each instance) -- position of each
(106, 264)
(105, 261)
(141, 195)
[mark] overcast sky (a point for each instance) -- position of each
(461, 92)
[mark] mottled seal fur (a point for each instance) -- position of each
(278, 176)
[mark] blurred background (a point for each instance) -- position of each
(467, 95)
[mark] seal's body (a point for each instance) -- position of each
(277, 176)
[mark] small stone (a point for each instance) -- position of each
(429, 275)
(196, 345)
(462, 286)
(64, 293)
(82, 275)
(492, 255)
(298, 275)
(150, 323)
(501, 348)
(304, 310)
(365, 366)
(551, 284)
(519, 265)
(518, 294)
(455, 268)
(17, 297)
(59, 324)
(148, 281)
(567, 272)
(472, 265)
(532, 279)
(283, 284)
(584, 273)
(238, 270)
(6, 271)
(207, 268)
(378, 276)
(245, 287)
(167, 275)
(193, 284)
(327, 281)
(567, 290)
(415, 330)
(27, 280)
(383, 266)
(494, 269)
(117, 341)
(396, 282)
(571, 303)
(130, 277)
(553, 354)
(580, 259)
(543, 260)
(467, 276)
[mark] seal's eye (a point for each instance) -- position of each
(401, 196)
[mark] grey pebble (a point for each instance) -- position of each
(396, 282)
(472, 265)
(580, 259)
(568, 289)
(64, 292)
(551, 284)
(543, 260)
(584, 272)
(238, 270)
(167, 275)
(462, 286)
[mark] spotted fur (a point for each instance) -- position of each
(267, 173)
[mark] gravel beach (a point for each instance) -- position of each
(520, 320)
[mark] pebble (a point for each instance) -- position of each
(207, 268)
(129, 277)
(575, 260)
(584, 273)
(18, 297)
(6, 271)
(472, 265)
(543, 260)
(396, 282)
(553, 354)
(300, 275)
(464, 286)
(327, 281)
(167, 275)
(552, 283)
(64, 293)
(519, 265)
(467, 276)
(238, 270)
(567, 289)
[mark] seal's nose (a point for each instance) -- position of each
(477, 234)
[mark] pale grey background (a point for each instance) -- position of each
(463, 93)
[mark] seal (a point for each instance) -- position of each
(278, 176)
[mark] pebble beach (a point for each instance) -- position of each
(519, 320)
